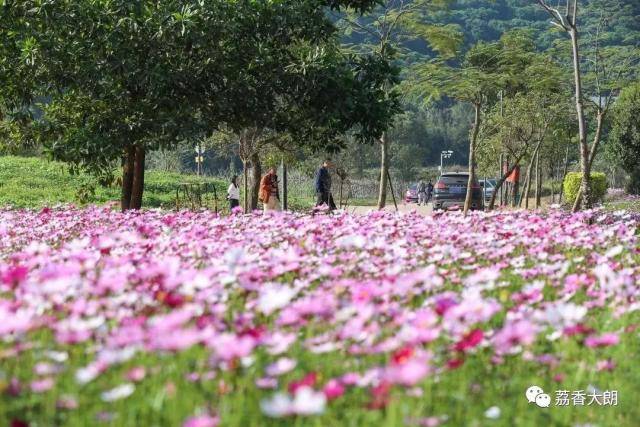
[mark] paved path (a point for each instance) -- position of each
(425, 210)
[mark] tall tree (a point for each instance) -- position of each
(606, 78)
(126, 77)
(388, 31)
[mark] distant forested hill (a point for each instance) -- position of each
(419, 136)
(486, 20)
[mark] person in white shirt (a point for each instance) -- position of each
(233, 193)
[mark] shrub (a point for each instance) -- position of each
(572, 186)
(633, 185)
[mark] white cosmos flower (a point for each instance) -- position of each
(87, 374)
(279, 405)
(274, 297)
(562, 315)
(119, 392)
(309, 402)
(353, 241)
(492, 413)
(57, 356)
(614, 251)
(280, 367)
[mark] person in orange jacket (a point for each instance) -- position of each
(269, 195)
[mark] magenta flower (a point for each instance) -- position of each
(333, 389)
(604, 340)
(469, 341)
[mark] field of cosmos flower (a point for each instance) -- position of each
(191, 319)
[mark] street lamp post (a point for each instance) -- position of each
(199, 159)
(444, 155)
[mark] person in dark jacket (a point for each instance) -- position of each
(323, 186)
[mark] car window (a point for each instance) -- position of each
(454, 179)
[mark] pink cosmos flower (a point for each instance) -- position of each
(229, 346)
(470, 340)
(604, 340)
(14, 388)
(202, 421)
(309, 380)
(266, 383)
(67, 402)
(408, 367)
(14, 275)
(607, 365)
(333, 389)
(40, 386)
(136, 374)
(513, 335)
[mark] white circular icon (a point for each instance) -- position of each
(543, 400)
(533, 392)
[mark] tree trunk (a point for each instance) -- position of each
(527, 186)
(285, 189)
(245, 185)
(127, 177)
(384, 170)
(585, 165)
(538, 181)
(137, 187)
(472, 157)
(564, 175)
(500, 184)
(256, 175)
(500, 173)
(592, 152)
(529, 172)
(554, 179)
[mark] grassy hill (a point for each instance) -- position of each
(33, 182)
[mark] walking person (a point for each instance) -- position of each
(422, 193)
(323, 186)
(269, 194)
(429, 191)
(233, 194)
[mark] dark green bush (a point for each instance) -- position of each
(572, 186)
(633, 185)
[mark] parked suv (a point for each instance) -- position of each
(488, 186)
(451, 190)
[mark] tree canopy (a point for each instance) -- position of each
(121, 78)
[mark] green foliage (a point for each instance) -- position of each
(633, 184)
(625, 133)
(32, 182)
(153, 74)
(572, 185)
